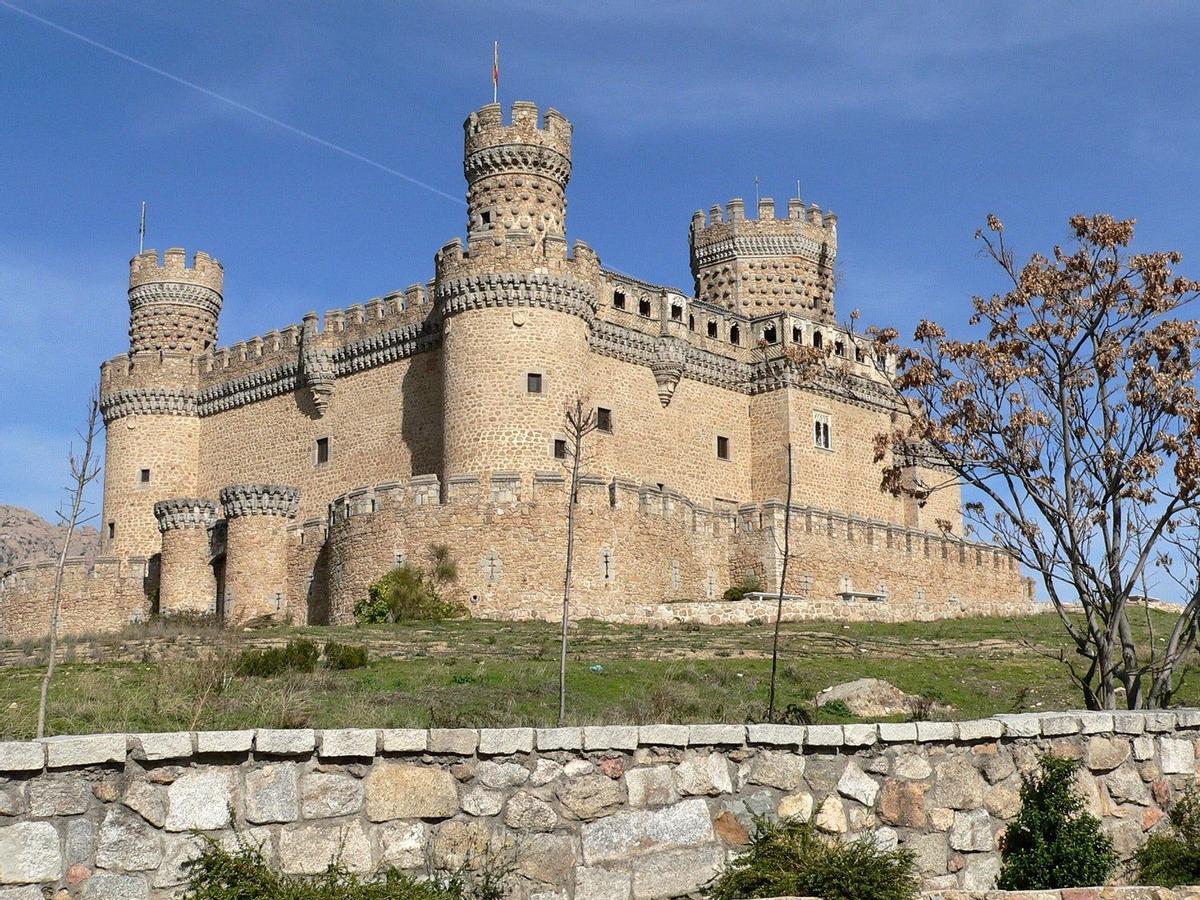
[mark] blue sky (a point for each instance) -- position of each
(910, 120)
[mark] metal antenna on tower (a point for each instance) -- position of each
(756, 198)
(142, 230)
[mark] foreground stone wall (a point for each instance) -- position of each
(603, 813)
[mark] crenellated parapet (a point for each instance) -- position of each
(758, 264)
(185, 512)
(260, 500)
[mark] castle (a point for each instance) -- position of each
(276, 478)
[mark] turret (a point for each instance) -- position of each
(173, 307)
(148, 396)
(515, 306)
(517, 177)
(766, 264)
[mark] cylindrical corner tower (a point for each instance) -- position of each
(256, 549)
(149, 395)
(187, 584)
(515, 308)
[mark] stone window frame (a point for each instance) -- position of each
(770, 333)
(604, 420)
(618, 299)
(676, 312)
(322, 451)
(823, 430)
(144, 477)
(556, 443)
(713, 330)
(645, 308)
(535, 383)
(724, 448)
(112, 529)
(735, 335)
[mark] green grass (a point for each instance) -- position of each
(486, 674)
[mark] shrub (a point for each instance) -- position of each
(1053, 843)
(1172, 858)
(747, 585)
(344, 656)
(837, 709)
(792, 858)
(243, 874)
(411, 592)
(300, 655)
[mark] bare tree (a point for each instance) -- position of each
(84, 470)
(787, 546)
(1075, 415)
(579, 420)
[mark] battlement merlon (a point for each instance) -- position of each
(146, 268)
(722, 223)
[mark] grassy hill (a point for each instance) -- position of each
(481, 674)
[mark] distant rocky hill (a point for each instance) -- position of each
(27, 537)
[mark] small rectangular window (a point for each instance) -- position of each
(821, 436)
(722, 447)
(112, 530)
(322, 452)
(144, 476)
(533, 382)
(604, 419)
(560, 448)
(676, 313)
(486, 217)
(619, 299)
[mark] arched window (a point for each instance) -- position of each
(735, 334)
(770, 335)
(818, 340)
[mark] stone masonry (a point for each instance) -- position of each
(600, 812)
(451, 394)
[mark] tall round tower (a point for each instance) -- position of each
(516, 309)
(149, 395)
(517, 175)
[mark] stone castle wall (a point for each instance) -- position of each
(103, 597)
(643, 555)
(593, 813)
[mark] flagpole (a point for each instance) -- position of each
(142, 230)
(495, 71)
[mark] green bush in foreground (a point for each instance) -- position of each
(344, 656)
(792, 858)
(243, 874)
(1172, 858)
(410, 592)
(748, 585)
(1053, 843)
(300, 655)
